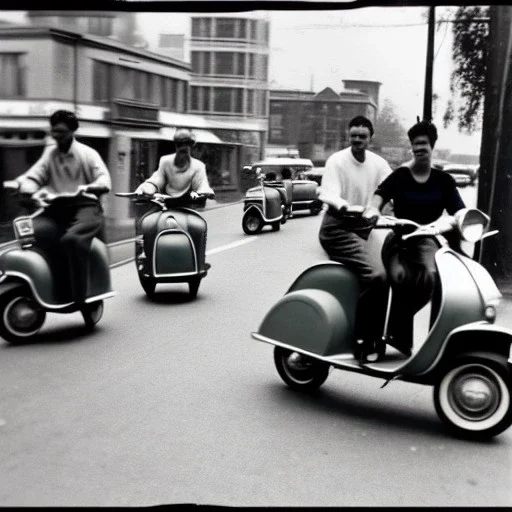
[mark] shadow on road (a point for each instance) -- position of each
(385, 415)
(59, 335)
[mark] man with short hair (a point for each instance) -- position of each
(68, 167)
(350, 178)
(183, 177)
(419, 193)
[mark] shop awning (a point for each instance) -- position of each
(206, 136)
(93, 130)
(25, 124)
(202, 136)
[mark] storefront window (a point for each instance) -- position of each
(12, 75)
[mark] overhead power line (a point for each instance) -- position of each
(398, 25)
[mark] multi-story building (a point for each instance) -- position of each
(316, 124)
(229, 81)
(129, 100)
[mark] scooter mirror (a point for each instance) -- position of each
(472, 224)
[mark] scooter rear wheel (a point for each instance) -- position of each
(474, 397)
(21, 316)
(276, 226)
(298, 371)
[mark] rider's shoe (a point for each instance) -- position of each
(371, 351)
(207, 266)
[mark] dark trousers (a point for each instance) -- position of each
(350, 249)
(412, 274)
(65, 234)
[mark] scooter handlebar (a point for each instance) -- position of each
(163, 197)
(11, 185)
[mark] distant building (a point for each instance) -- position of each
(129, 102)
(316, 124)
(229, 81)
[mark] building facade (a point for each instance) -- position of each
(316, 124)
(229, 81)
(129, 102)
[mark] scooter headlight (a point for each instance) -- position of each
(490, 313)
(24, 227)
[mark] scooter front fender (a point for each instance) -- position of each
(310, 320)
(9, 284)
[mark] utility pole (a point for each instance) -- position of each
(495, 178)
(427, 100)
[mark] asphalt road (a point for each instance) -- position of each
(172, 401)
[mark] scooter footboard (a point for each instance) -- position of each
(309, 319)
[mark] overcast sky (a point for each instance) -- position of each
(322, 48)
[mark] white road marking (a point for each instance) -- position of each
(231, 246)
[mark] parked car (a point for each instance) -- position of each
(315, 174)
(463, 174)
(304, 190)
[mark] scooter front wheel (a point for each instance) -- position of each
(92, 313)
(193, 287)
(473, 397)
(252, 223)
(21, 316)
(300, 372)
(148, 285)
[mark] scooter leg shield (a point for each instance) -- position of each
(99, 270)
(309, 319)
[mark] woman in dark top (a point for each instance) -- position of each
(421, 194)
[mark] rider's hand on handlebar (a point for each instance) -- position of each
(371, 213)
(145, 189)
(193, 194)
(28, 187)
(42, 197)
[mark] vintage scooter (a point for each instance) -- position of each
(465, 356)
(265, 205)
(165, 252)
(28, 289)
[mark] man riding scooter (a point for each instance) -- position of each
(351, 177)
(66, 232)
(182, 177)
(419, 193)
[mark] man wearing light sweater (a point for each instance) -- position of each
(184, 178)
(351, 176)
(66, 233)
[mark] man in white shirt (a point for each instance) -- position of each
(65, 233)
(183, 177)
(350, 178)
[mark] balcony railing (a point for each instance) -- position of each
(134, 113)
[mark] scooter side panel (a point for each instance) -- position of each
(335, 279)
(31, 267)
(308, 319)
(99, 271)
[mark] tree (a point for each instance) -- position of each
(468, 80)
(389, 131)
